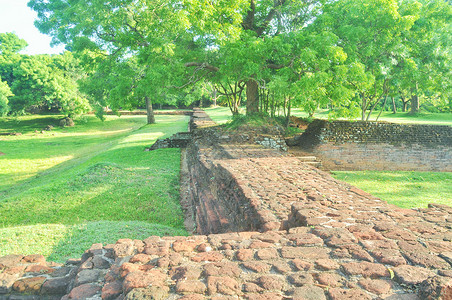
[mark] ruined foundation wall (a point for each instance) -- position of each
(379, 146)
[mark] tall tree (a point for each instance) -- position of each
(371, 33)
(193, 33)
(119, 29)
(427, 69)
(5, 93)
(48, 81)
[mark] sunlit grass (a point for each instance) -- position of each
(400, 117)
(65, 241)
(219, 114)
(93, 173)
(404, 189)
(223, 114)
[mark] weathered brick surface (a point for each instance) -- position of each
(343, 145)
(289, 231)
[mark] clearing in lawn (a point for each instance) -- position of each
(65, 189)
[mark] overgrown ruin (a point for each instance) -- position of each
(268, 226)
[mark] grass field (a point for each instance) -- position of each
(62, 190)
(404, 189)
(222, 115)
(401, 117)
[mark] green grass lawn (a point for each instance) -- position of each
(219, 114)
(65, 189)
(404, 189)
(401, 117)
(223, 114)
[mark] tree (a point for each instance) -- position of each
(5, 92)
(47, 81)
(427, 71)
(371, 33)
(119, 30)
(40, 80)
(11, 43)
(247, 57)
(191, 33)
(335, 53)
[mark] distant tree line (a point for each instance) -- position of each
(70, 83)
(38, 81)
(352, 57)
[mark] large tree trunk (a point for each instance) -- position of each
(363, 108)
(149, 111)
(414, 104)
(414, 101)
(252, 97)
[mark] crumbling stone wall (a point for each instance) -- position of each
(343, 145)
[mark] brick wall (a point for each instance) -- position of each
(343, 145)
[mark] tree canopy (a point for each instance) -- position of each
(347, 55)
(39, 80)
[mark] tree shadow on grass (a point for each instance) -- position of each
(9, 125)
(92, 146)
(80, 237)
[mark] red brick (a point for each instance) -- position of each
(84, 291)
(305, 252)
(190, 287)
(271, 282)
(301, 265)
(228, 269)
(376, 286)
(269, 253)
(112, 290)
(185, 273)
(352, 294)
(244, 254)
(326, 264)
(31, 285)
(35, 258)
(214, 256)
(143, 279)
(365, 269)
(257, 266)
(222, 285)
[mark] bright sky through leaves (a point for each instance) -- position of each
(17, 17)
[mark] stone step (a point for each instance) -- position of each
(316, 164)
(307, 158)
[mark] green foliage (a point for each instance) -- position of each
(5, 92)
(222, 115)
(48, 81)
(40, 80)
(309, 54)
(11, 44)
(258, 120)
(291, 131)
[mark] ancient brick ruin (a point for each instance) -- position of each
(343, 145)
(269, 227)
